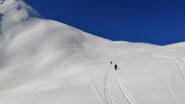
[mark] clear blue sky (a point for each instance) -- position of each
(152, 21)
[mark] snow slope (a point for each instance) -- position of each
(47, 62)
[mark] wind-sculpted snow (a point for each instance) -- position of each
(47, 62)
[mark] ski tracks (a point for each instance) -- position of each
(125, 93)
(179, 68)
(176, 61)
(173, 89)
(96, 90)
(106, 92)
(105, 97)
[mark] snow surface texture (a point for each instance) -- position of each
(47, 62)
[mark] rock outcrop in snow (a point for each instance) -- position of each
(16, 10)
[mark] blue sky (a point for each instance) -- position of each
(153, 21)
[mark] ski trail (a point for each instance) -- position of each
(96, 90)
(175, 60)
(112, 101)
(179, 68)
(171, 86)
(106, 93)
(175, 89)
(181, 73)
(123, 90)
(183, 66)
(174, 92)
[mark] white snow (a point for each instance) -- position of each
(47, 62)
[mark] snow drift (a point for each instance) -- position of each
(47, 62)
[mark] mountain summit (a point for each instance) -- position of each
(16, 10)
(47, 62)
(13, 13)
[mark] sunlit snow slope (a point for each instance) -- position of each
(47, 62)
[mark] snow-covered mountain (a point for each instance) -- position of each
(47, 62)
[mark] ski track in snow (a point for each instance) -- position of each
(175, 60)
(183, 66)
(125, 93)
(174, 92)
(173, 89)
(182, 75)
(106, 92)
(108, 99)
(26, 36)
(96, 90)
(179, 68)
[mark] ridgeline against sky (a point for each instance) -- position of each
(47, 62)
(152, 21)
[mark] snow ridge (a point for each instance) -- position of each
(47, 62)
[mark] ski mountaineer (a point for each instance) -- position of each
(111, 62)
(116, 67)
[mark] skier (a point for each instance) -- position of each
(111, 62)
(116, 67)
